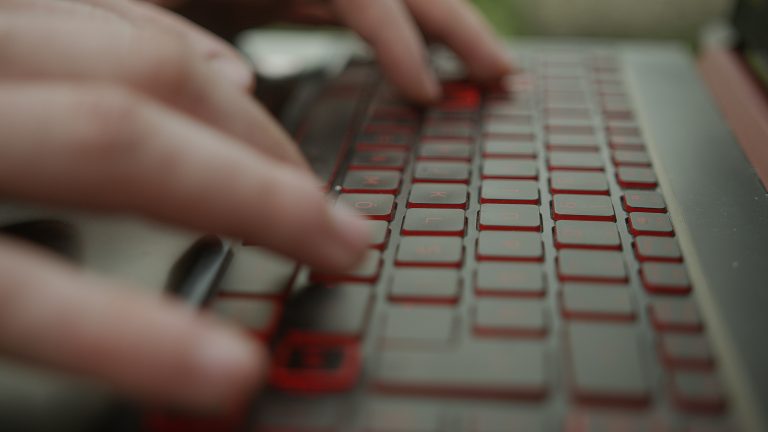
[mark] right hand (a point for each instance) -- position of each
(119, 106)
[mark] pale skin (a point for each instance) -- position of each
(125, 106)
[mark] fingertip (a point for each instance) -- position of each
(354, 235)
(230, 366)
(237, 72)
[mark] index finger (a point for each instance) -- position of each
(390, 30)
(465, 31)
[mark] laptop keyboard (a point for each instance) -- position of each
(523, 274)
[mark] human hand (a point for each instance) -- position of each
(391, 27)
(119, 106)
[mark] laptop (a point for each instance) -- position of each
(581, 249)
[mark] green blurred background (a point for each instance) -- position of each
(615, 18)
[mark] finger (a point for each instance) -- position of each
(156, 63)
(390, 31)
(222, 55)
(154, 349)
(111, 149)
(463, 29)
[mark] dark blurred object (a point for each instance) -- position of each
(751, 18)
(229, 17)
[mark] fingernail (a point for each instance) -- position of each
(351, 228)
(235, 71)
(225, 360)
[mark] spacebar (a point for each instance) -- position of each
(324, 135)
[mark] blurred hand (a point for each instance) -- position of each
(118, 105)
(391, 27)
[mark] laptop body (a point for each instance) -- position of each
(667, 339)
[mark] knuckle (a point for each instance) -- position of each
(166, 65)
(112, 118)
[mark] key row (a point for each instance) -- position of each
(424, 415)
(573, 265)
(560, 182)
(564, 206)
(453, 151)
(419, 355)
(580, 221)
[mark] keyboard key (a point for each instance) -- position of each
(367, 271)
(699, 392)
(425, 286)
(257, 316)
(607, 364)
(629, 129)
(596, 302)
(591, 266)
(601, 421)
(502, 129)
(372, 206)
(665, 278)
(618, 142)
(401, 417)
(575, 182)
(291, 413)
(448, 172)
(587, 235)
(581, 161)
(568, 113)
(395, 112)
(378, 160)
(497, 148)
(447, 130)
(379, 234)
(517, 246)
(582, 207)
(644, 201)
(509, 192)
(445, 150)
(430, 252)
(553, 124)
(445, 373)
(389, 126)
(509, 217)
(572, 142)
(336, 313)
(509, 169)
(380, 141)
(510, 318)
(418, 326)
(502, 419)
(675, 315)
(636, 178)
(686, 351)
(517, 118)
(387, 182)
(508, 280)
(313, 367)
(423, 221)
(503, 110)
(256, 272)
(438, 195)
(652, 224)
(631, 157)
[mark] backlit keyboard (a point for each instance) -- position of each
(523, 274)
